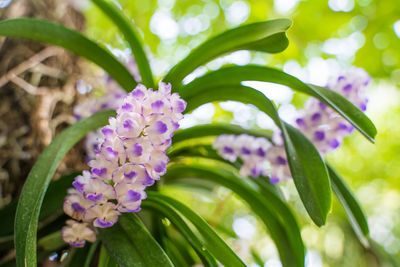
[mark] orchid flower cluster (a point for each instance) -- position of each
(259, 155)
(320, 123)
(130, 157)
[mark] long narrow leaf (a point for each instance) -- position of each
(120, 247)
(175, 254)
(280, 223)
(182, 248)
(105, 260)
(146, 245)
(306, 165)
(56, 34)
(77, 256)
(51, 242)
(309, 174)
(130, 244)
(350, 204)
(29, 204)
(90, 254)
(235, 75)
(126, 27)
(212, 241)
(268, 36)
(183, 228)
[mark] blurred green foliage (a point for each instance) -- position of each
(368, 28)
(365, 33)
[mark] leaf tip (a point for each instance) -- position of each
(286, 23)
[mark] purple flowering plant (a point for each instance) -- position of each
(134, 146)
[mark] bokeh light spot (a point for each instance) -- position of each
(237, 13)
(341, 5)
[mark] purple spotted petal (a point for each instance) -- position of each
(104, 224)
(107, 132)
(133, 196)
(134, 210)
(255, 172)
(161, 167)
(316, 117)
(228, 150)
(347, 87)
(77, 207)
(341, 77)
(180, 106)
(260, 152)
(334, 144)
(157, 105)
(274, 180)
(137, 93)
(111, 152)
(245, 151)
(131, 175)
(94, 197)
(322, 105)
(128, 124)
(300, 122)
(161, 127)
(137, 150)
(280, 160)
(319, 135)
(127, 107)
(99, 172)
(78, 186)
(77, 244)
(147, 180)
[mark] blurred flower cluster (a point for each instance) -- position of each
(130, 156)
(111, 98)
(320, 123)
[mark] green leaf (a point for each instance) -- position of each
(180, 246)
(306, 165)
(126, 27)
(266, 205)
(120, 247)
(199, 145)
(56, 34)
(347, 109)
(145, 244)
(105, 260)
(212, 241)
(52, 242)
(309, 174)
(193, 239)
(230, 76)
(77, 256)
(256, 257)
(90, 254)
(29, 204)
(130, 244)
(82, 256)
(175, 254)
(268, 36)
(350, 204)
(235, 92)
